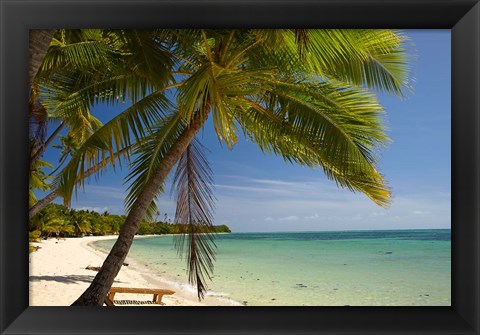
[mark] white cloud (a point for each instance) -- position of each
(241, 188)
(289, 218)
(317, 204)
(274, 182)
(95, 209)
(375, 214)
(421, 212)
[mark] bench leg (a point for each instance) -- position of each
(111, 295)
(157, 298)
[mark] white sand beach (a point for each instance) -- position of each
(58, 275)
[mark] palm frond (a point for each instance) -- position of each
(284, 139)
(348, 109)
(322, 126)
(372, 58)
(76, 48)
(115, 135)
(149, 155)
(150, 56)
(194, 214)
(38, 179)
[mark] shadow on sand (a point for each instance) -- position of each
(64, 279)
(68, 279)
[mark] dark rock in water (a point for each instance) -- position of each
(344, 263)
(335, 289)
(274, 299)
(258, 279)
(389, 252)
(427, 295)
(245, 303)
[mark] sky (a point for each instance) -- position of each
(260, 193)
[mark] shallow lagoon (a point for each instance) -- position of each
(357, 268)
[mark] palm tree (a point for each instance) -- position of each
(80, 222)
(300, 94)
(39, 42)
(37, 180)
(37, 205)
(83, 68)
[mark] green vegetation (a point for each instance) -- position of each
(33, 236)
(58, 220)
(307, 96)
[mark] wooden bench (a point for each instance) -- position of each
(157, 293)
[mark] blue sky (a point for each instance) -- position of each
(256, 192)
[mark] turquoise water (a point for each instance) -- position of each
(357, 268)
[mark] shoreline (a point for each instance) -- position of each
(58, 275)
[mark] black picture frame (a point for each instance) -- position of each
(18, 16)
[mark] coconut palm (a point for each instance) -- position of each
(39, 42)
(80, 221)
(54, 224)
(37, 180)
(83, 68)
(36, 206)
(300, 94)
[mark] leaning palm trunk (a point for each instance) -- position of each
(98, 289)
(41, 204)
(39, 43)
(44, 145)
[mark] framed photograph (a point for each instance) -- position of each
(398, 301)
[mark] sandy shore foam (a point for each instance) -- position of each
(58, 276)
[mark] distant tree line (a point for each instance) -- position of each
(57, 220)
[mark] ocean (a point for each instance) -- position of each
(337, 268)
